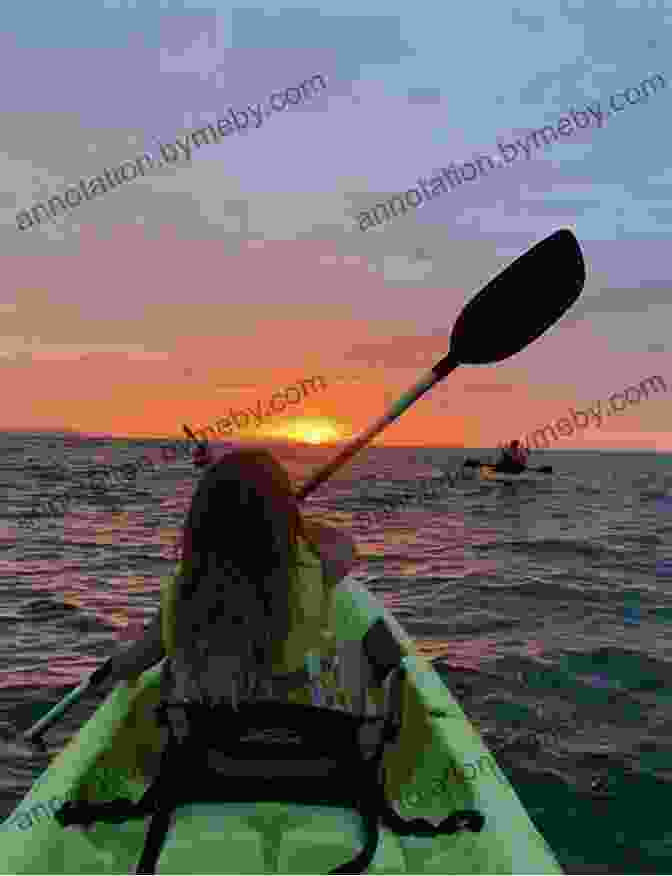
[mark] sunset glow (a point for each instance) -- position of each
(316, 431)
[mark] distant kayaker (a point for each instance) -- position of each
(201, 456)
(514, 458)
(248, 615)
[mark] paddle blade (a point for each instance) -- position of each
(521, 303)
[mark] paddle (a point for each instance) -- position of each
(472, 343)
(35, 733)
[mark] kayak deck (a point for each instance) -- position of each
(438, 765)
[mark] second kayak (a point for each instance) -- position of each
(473, 470)
(490, 473)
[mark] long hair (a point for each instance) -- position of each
(240, 552)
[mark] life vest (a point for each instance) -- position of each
(306, 670)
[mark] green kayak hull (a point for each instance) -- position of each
(438, 765)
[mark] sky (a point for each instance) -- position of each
(211, 283)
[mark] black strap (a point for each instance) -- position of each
(382, 650)
(463, 819)
(361, 861)
(349, 778)
(327, 737)
(161, 803)
(121, 810)
(83, 813)
(160, 823)
(167, 792)
(156, 836)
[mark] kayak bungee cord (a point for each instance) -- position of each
(557, 256)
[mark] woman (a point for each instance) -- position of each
(248, 615)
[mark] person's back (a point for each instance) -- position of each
(249, 615)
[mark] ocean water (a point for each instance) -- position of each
(546, 608)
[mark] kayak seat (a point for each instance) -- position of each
(288, 787)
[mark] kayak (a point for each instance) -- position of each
(488, 473)
(437, 766)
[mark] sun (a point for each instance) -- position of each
(317, 436)
(309, 431)
(313, 431)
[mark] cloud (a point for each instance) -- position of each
(488, 387)
(102, 353)
(614, 301)
(347, 379)
(111, 352)
(424, 95)
(23, 357)
(401, 351)
(237, 387)
(403, 269)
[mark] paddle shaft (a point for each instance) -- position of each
(407, 399)
(58, 711)
(34, 734)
